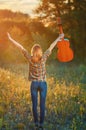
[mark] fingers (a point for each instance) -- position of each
(61, 35)
(8, 35)
(60, 39)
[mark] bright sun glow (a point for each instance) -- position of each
(25, 6)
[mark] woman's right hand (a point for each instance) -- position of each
(61, 36)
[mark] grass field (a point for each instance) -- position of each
(66, 97)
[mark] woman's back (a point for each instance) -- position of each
(37, 70)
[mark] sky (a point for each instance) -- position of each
(25, 6)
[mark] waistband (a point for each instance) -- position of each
(38, 81)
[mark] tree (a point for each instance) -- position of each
(49, 9)
(73, 14)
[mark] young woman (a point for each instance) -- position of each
(37, 76)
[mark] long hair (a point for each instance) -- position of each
(36, 53)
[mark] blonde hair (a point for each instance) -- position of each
(36, 53)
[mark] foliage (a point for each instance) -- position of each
(65, 106)
(14, 100)
(73, 14)
(21, 28)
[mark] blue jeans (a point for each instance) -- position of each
(41, 87)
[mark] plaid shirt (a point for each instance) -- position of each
(37, 71)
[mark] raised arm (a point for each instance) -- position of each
(55, 42)
(19, 46)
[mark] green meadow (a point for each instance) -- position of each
(66, 97)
